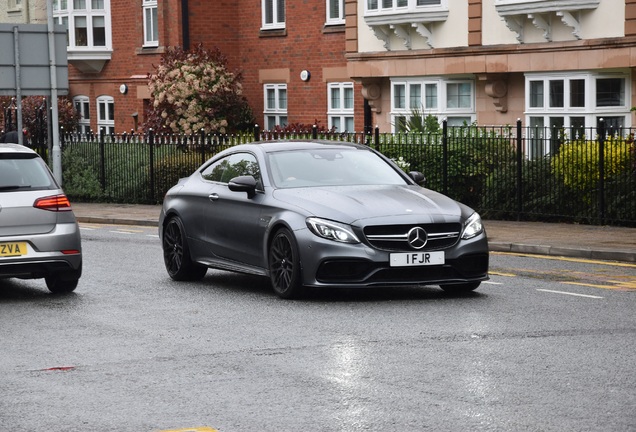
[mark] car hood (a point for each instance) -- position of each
(351, 204)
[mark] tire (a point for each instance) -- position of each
(176, 254)
(461, 288)
(284, 265)
(61, 285)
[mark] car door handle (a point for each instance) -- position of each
(213, 197)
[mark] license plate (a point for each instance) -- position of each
(409, 259)
(13, 249)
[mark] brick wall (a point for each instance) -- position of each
(234, 26)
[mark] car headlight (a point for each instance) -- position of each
(472, 227)
(331, 230)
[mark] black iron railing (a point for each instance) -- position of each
(504, 172)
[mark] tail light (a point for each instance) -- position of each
(53, 203)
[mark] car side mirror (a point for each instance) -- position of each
(243, 184)
(418, 177)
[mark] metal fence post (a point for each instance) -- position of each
(151, 162)
(202, 142)
(102, 159)
(601, 171)
(445, 157)
(519, 161)
(377, 137)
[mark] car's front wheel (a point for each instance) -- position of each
(284, 265)
(461, 288)
(176, 254)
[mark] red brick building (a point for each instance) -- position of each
(291, 56)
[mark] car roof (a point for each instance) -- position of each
(300, 144)
(15, 148)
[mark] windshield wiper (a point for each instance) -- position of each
(14, 187)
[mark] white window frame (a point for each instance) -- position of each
(572, 115)
(278, 112)
(337, 111)
(455, 116)
(273, 6)
(384, 7)
(107, 122)
(14, 5)
(151, 23)
(69, 12)
(335, 13)
(82, 105)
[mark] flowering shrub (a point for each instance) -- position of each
(578, 162)
(193, 91)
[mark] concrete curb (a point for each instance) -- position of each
(598, 254)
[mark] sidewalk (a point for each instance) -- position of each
(579, 241)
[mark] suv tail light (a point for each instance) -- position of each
(53, 203)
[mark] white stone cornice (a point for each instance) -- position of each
(518, 7)
(425, 32)
(401, 23)
(402, 33)
(542, 22)
(515, 24)
(383, 35)
(540, 12)
(571, 19)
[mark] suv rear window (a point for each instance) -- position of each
(24, 172)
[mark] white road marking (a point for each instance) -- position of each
(569, 293)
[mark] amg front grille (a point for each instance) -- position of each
(396, 237)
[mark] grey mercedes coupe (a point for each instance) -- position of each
(319, 214)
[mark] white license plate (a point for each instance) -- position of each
(409, 259)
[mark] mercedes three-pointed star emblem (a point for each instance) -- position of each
(417, 237)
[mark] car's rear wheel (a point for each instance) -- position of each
(284, 265)
(461, 288)
(176, 254)
(58, 284)
(63, 282)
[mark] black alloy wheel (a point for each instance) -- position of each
(284, 265)
(176, 255)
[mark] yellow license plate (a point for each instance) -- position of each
(13, 249)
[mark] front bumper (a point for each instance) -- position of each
(329, 264)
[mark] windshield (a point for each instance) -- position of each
(332, 167)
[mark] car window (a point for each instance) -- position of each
(302, 168)
(24, 173)
(214, 171)
(234, 165)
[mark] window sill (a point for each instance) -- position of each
(265, 33)
(150, 50)
(333, 28)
